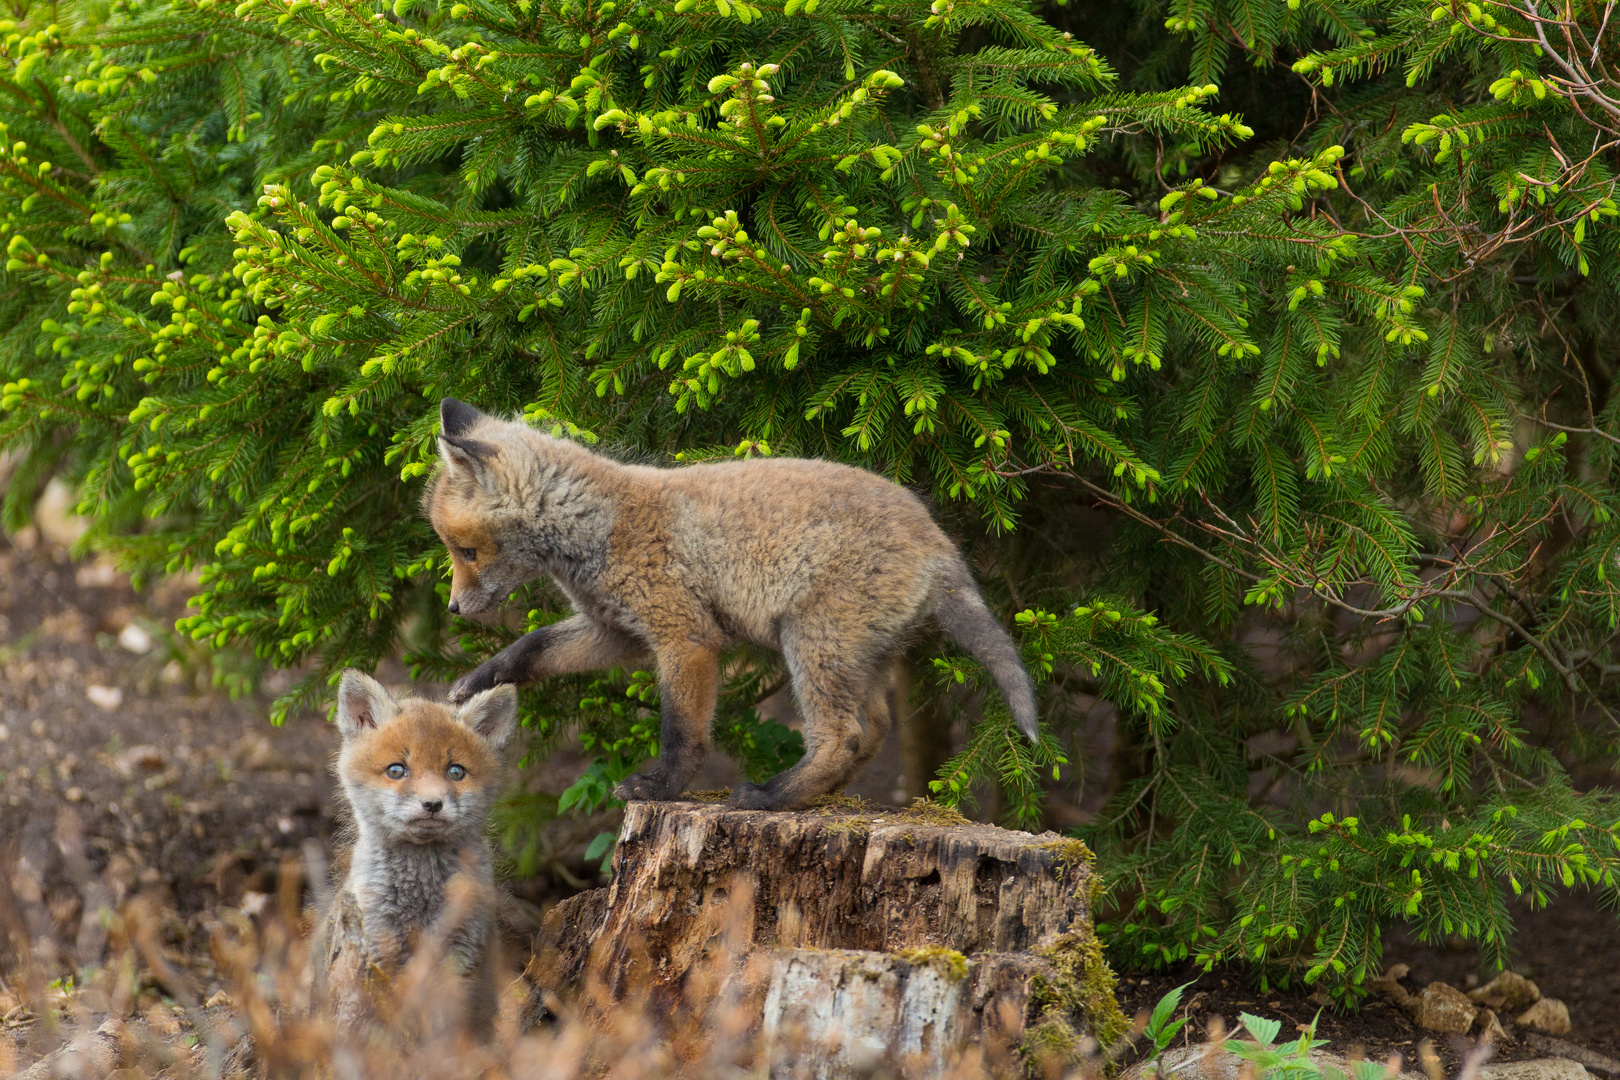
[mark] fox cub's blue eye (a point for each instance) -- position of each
(469, 554)
(395, 771)
(456, 772)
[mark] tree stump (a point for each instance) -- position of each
(908, 933)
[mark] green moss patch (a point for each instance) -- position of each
(1071, 854)
(1076, 998)
(839, 803)
(718, 796)
(929, 812)
(948, 962)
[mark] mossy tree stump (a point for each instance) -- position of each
(907, 932)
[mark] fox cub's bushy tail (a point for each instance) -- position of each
(961, 611)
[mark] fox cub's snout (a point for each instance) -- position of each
(474, 514)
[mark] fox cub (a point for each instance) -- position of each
(420, 778)
(832, 565)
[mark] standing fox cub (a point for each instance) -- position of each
(832, 565)
(420, 778)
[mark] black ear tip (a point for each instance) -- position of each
(456, 417)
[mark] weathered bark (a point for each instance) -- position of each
(882, 882)
(837, 1012)
(343, 977)
(911, 929)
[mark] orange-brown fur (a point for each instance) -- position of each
(830, 564)
(419, 882)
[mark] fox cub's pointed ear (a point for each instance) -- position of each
(492, 713)
(464, 456)
(362, 704)
(457, 417)
(468, 457)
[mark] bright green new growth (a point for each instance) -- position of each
(1319, 378)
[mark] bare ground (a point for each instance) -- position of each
(125, 772)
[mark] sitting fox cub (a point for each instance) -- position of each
(420, 778)
(832, 565)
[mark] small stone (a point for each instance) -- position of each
(1442, 1007)
(1507, 991)
(1491, 1029)
(162, 1021)
(5, 733)
(74, 794)
(135, 638)
(1539, 1069)
(1548, 1015)
(1389, 984)
(142, 758)
(106, 697)
(259, 754)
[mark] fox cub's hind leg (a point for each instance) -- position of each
(689, 682)
(575, 644)
(847, 713)
(882, 710)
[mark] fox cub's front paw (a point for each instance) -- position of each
(646, 787)
(476, 681)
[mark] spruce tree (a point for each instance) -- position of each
(1334, 369)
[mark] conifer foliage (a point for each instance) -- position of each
(1325, 339)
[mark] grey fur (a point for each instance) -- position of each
(961, 611)
(413, 837)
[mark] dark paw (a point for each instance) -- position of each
(646, 787)
(462, 690)
(754, 797)
(475, 681)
